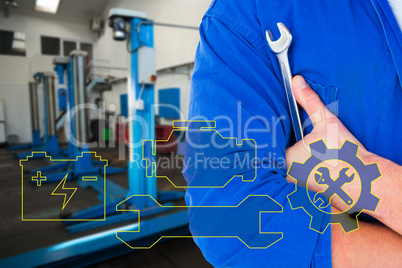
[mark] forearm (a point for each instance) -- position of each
(372, 245)
(388, 188)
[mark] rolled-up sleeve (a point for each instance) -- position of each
(233, 78)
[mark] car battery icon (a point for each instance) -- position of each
(53, 196)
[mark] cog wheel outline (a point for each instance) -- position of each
(320, 153)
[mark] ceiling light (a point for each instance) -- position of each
(49, 6)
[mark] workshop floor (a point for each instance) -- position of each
(17, 236)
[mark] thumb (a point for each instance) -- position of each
(309, 100)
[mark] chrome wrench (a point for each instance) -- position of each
(280, 47)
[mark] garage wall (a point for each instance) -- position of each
(174, 47)
(16, 71)
(179, 78)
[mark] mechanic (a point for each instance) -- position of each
(347, 60)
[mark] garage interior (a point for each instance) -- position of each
(67, 177)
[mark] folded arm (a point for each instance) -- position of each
(330, 129)
(235, 84)
(373, 244)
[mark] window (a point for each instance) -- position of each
(55, 46)
(12, 43)
(69, 46)
(50, 45)
(88, 48)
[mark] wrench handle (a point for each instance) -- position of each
(344, 197)
(293, 108)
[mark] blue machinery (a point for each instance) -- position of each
(74, 69)
(141, 99)
(33, 97)
(51, 142)
(103, 245)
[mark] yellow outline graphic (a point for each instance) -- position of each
(89, 178)
(206, 129)
(296, 185)
(64, 194)
(38, 179)
(354, 201)
(153, 166)
(139, 222)
(63, 160)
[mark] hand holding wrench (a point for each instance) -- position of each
(280, 47)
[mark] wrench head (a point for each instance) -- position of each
(283, 42)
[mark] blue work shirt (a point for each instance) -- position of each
(350, 53)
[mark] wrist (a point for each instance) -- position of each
(384, 187)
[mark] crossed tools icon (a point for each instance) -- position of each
(334, 186)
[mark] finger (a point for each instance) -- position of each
(309, 100)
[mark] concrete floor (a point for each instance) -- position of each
(17, 236)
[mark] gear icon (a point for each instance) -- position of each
(300, 197)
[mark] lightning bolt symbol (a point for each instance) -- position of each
(63, 181)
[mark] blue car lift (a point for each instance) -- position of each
(74, 68)
(60, 68)
(154, 219)
(51, 141)
(141, 110)
(33, 98)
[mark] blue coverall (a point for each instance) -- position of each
(350, 53)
